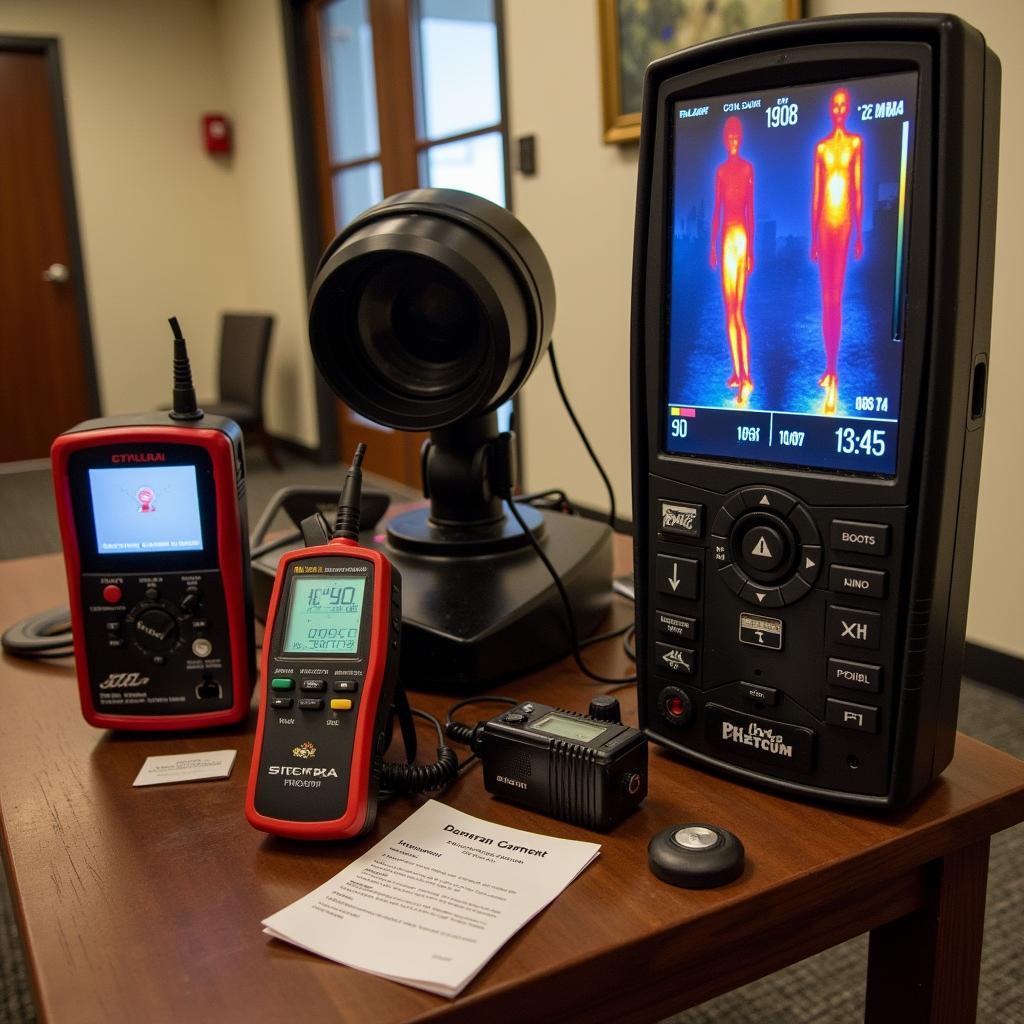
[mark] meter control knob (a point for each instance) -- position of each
(190, 599)
(605, 709)
(155, 630)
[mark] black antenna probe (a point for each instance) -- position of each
(346, 523)
(184, 393)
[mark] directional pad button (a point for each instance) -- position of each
(763, 597)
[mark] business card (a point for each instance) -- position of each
(164, 768)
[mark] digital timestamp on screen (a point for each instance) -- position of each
(863, 443)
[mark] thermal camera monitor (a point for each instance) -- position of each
(787, 264)
(324, 616)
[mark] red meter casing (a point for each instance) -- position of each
(156, 546)
(329, 670)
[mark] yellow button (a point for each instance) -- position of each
(341, 704)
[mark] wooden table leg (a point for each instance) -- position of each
(924, 968)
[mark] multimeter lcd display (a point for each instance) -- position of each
(787, 265)
(570, 728)
(324, 616)
(146, 510)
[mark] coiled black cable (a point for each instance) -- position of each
(403, 777)
(419, 778)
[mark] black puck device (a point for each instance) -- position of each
(588, 770)
(811, 313)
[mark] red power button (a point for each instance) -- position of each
(112, 593)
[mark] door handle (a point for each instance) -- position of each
(56, 273)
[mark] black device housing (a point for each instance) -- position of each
(718, 684)
(593, 783)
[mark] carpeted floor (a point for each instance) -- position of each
(824, 989)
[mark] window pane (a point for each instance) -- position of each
(473, 165)
(349, 83)
(355, 189)
(458, 67)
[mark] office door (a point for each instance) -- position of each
(45, 369)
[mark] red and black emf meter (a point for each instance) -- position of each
(329, 670)
(153, 521)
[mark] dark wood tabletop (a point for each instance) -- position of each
(145, 904)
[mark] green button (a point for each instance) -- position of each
(282, 684)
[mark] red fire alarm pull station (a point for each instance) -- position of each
(216, 133)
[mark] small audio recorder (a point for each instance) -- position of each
(156, 546)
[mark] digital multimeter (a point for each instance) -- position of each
(156, 546)
(329, 671)
(811, 313)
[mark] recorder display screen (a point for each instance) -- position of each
(324, 616)
(146, 510)
(787, 262)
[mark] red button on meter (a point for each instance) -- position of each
(112, 593)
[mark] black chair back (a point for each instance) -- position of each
(244, 347)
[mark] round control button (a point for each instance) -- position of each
(112, 593)
(676, 706)
(632, 783)
(763, 548)
(152, 594)
(695, 856)
(605, 708)
(201, 647)
(155, 630)
(696, 837)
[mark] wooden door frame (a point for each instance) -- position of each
(307, 114)
(49, 48)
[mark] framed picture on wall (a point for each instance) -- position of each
(635, 32)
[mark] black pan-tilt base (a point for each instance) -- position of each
(469, 621)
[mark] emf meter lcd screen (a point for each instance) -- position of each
(324, 616)
(570, 728)
(146, 510)
(787, 273)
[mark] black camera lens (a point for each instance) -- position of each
(431, 307)
(421, 328)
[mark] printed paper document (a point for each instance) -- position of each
(434, 900)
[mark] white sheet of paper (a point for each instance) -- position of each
(434, 900)
(211, 764)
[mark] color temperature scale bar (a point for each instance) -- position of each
(897, 296)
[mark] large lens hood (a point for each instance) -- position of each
(431, 307)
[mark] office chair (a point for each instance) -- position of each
(244, 347)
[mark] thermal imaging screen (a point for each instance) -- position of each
(145, 510)
(786, 274)
(324, 616)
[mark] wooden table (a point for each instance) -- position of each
(145, 904)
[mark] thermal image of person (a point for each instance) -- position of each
(836, 211)
(732, 248)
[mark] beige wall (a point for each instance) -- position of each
(580, 206)
(252, 47)
(165, 228)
